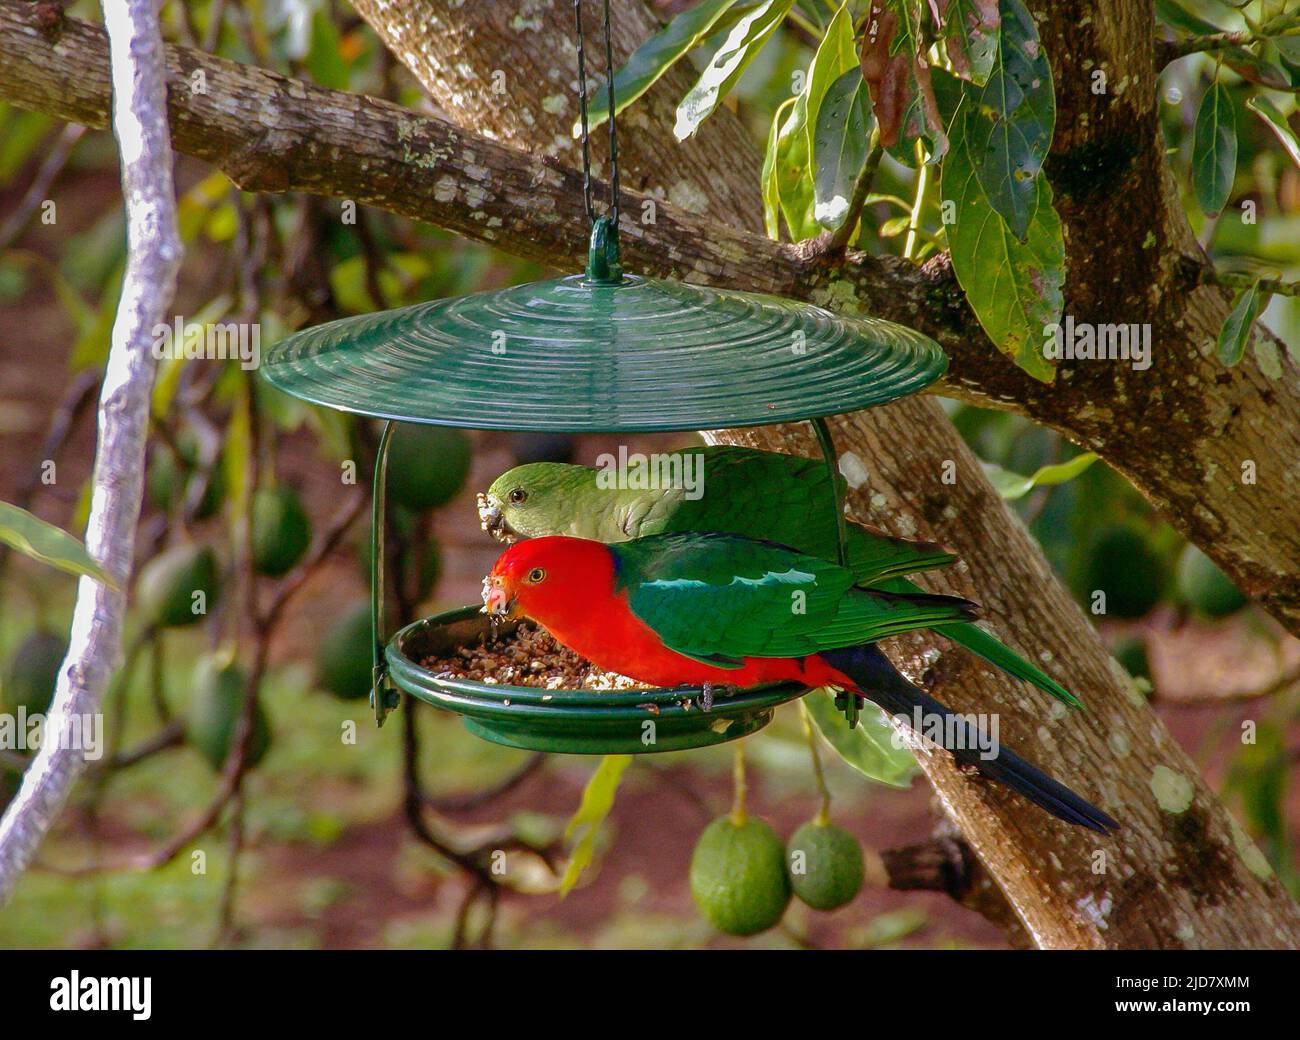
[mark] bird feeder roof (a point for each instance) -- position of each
(574, 356)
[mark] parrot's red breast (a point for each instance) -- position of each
(570, 587)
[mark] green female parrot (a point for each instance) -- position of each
(787, 499)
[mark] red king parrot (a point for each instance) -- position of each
(722, 609)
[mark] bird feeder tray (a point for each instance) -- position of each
(596, 352)
(584, 722)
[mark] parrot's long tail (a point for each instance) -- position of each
(880, 681)
(997, 653)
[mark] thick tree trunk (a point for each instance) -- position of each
(1146, 887)
(1149, 888)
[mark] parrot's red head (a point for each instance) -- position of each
(542, 578)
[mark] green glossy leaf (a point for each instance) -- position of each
(1177, 16)
(728, 63)
(895, 226)
(1011, 485)
(792, 174)
(1276, 121)
(597, 801)
(653, 58)
(32, 536)
(1250, 66)
(1010, 120)
(324, 58)
(1214, 150)
(840, 146)
(970, 34)
(1235, 333)
(794, 168)
(1013, 287)
(868, 747)
(771, 185)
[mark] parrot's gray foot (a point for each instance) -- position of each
(707, 691)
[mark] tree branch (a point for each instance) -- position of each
(153, 257)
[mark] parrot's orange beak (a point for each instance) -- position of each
(498, 597)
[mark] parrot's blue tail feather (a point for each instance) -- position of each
(880, 681)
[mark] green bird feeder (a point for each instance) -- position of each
(597, 352)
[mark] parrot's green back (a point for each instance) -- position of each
(720, 598)
(765, 495)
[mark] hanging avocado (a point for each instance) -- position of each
(281, 530)
(217, 697)
(737, 876)
(825, 865)
(427, 465)
(343, 659)
(33, 673)
(1204, 587)
(170, 478)
(170, 583)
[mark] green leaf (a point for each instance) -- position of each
(794, 149)
(793, 183)
(1010, 120)
(970, 34)
(771, 185)
(728, 63)
(32, 536)
(597, 800)
(1276, 121)
(1235, 333)
(840, 146)
(1013, 287)
(1214, 150)
(236, 452)
(324, 58)
(653, 58)
(868, 747)
(1177, 16)
(1250, 66)
(1012, 485)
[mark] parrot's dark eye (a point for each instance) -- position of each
(536, 575)
(518, 496)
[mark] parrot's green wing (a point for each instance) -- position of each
(788, 499)
(720, 598)
(980, 643)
